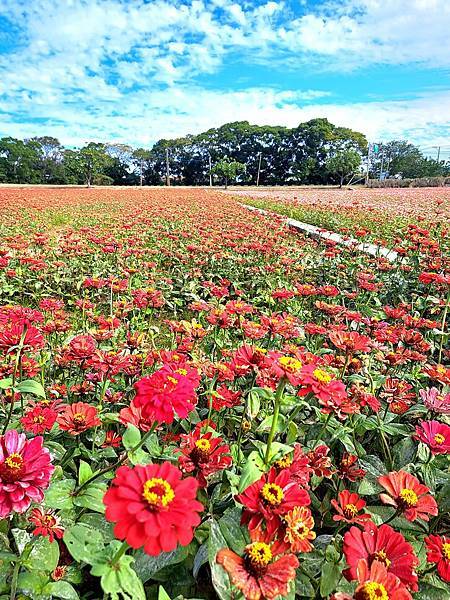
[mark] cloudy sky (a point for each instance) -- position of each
(135, 71)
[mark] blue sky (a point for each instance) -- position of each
(135, 71)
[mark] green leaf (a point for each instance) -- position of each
(131, 437)
(44, 555)
(119, 580)
(61, 589)
(219, 576)
(253, 469)
(200, 559)
(253, 404)
(29, 386)
(22, 538)
(331, 573)
(146, 566)
(92, 497)
(32, 584)
(162, 594)
(59, 494)
(84, 472)
(5, 384)
(84, 543)
(231, 531)
(404, 452)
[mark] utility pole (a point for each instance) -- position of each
(381, 168)
(167, 168)
(259, 169)
(210, 170)
(368, 163)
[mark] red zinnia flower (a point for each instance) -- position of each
(47, 524)
(78, 417)
(438, 551)
(382, 544)
(133, 414)
(350, 341)
(348, 468)
(25, 471)
(153, 507)
(203, 454)
(39, 419)
(375, 583)
(349, 507)
(81, 347)
(298, 466)
(223, 397)
(168, 391)
(256, 574)
(271, 496)
(435, 435)
(408, 495)
(320, 462)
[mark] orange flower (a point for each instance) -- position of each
(256, 574)
(78, 417)
(298, 524)
(408, 495)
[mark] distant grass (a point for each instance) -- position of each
(378, 227)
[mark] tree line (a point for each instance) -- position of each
(315, 152)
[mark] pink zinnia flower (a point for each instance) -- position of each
(435, 435)
(435, 401)
(25, 471)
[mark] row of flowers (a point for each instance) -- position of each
(217, 408)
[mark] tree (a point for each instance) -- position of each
(19, 160)
(403, 158)
(228, 169)
(88, 163)
(343, 164)
(139, 158)
(50, 163)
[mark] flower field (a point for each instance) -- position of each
(378, 214)
(197, 403)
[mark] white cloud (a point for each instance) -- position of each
(127, 70)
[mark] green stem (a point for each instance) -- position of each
(276, 412)
(444, 318)
(118, 462)
(15, 577)
(118, 555)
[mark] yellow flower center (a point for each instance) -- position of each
(272, 493)
(372, 591)
(79, 418)
(284, 462)
(439, 438)
(181, 371)
(260, 350)
(322, 376)
(350, 511)
(446, 551)
(381, 556)
(38, 419)
(14, 461)
(441, 369)
(409, 497)
(158, 492)
(259, 554)
(172, 380)
(203, 444)
(289, 364)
